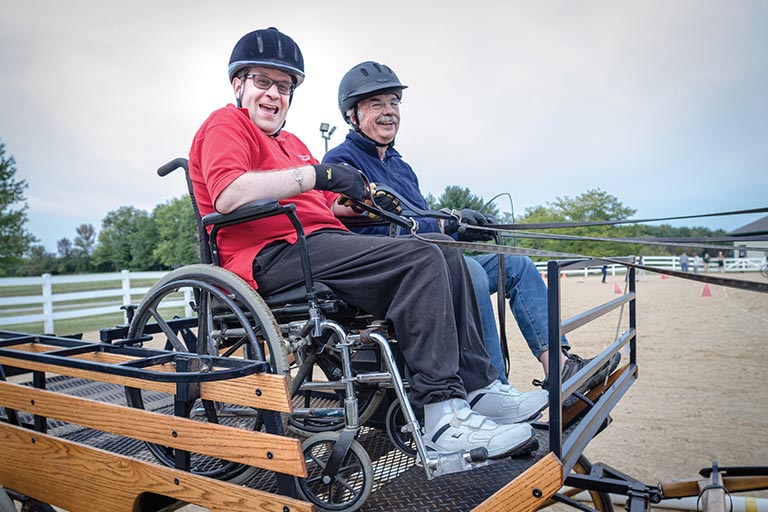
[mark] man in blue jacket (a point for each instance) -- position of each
(369, 100)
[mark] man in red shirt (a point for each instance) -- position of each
(241, 154)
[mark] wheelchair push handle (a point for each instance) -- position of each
(171, 166)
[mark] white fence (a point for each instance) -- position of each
(673, 263)
(47, 300)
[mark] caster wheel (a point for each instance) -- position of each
(400, 436)
(349, 488)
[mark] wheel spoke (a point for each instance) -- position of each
(172, 337)
(238, 310)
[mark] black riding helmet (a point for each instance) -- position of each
(365, 80)
(269, 48)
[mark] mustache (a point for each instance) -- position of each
(387, 119)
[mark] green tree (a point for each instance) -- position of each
(126, 241)
(593, 205)
(81, 256)
(85, 239)
(143, 241)
(38, 262)
(64, 247)
(458, 198)
(177, 233)
(15, 240)
(431, 202)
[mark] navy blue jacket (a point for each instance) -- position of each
(362, 154)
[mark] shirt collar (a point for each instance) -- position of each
(369, 146)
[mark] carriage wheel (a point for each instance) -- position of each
(345, 491)
(224, 317)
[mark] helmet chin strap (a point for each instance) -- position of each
(356, 125)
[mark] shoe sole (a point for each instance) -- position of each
(526, 419)
(527, 449)
(524, 447)
(521, 448)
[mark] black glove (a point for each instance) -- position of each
(381, 199)
(341, 178)
(466, 234)
(387, 201)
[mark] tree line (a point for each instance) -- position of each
(133, 239)
(590, 206)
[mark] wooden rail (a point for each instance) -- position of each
(79, 478)
(82, 478)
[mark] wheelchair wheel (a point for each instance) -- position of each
(400, 437)
(224, 317)
(324, 364)
(349, 488)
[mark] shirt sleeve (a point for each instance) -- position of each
(225, 157)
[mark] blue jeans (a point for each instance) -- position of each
(487, 319)
(527, 296)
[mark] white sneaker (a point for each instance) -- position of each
(504, 404)
(452, 426)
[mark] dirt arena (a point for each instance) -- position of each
(702, 391)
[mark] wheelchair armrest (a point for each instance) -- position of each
(247, 212)
(362, 222)
(250, 211)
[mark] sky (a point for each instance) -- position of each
(663, 105)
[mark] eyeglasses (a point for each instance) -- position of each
(379, 106)
(265, 83)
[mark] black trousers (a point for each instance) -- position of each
(423, 289)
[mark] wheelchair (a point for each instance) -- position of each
(339, 362)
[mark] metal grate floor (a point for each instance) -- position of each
(412, 492)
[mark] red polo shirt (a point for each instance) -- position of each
(229, 144)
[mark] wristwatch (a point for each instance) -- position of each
(298, 176)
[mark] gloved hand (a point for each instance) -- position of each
(466, 234)
(381, 199)
(386, 201)
(341, 178)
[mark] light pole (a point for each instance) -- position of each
(326, 130)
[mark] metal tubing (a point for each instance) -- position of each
(405, 405)
(352, 419)
(577, 321)
(41, 422)
(633, 317)
(585, 431)
(236, 368)
(309, 285)
(555, 384)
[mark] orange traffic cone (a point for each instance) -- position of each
(562, 275)
(616, 288)
(664, 276)
(706, 292)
